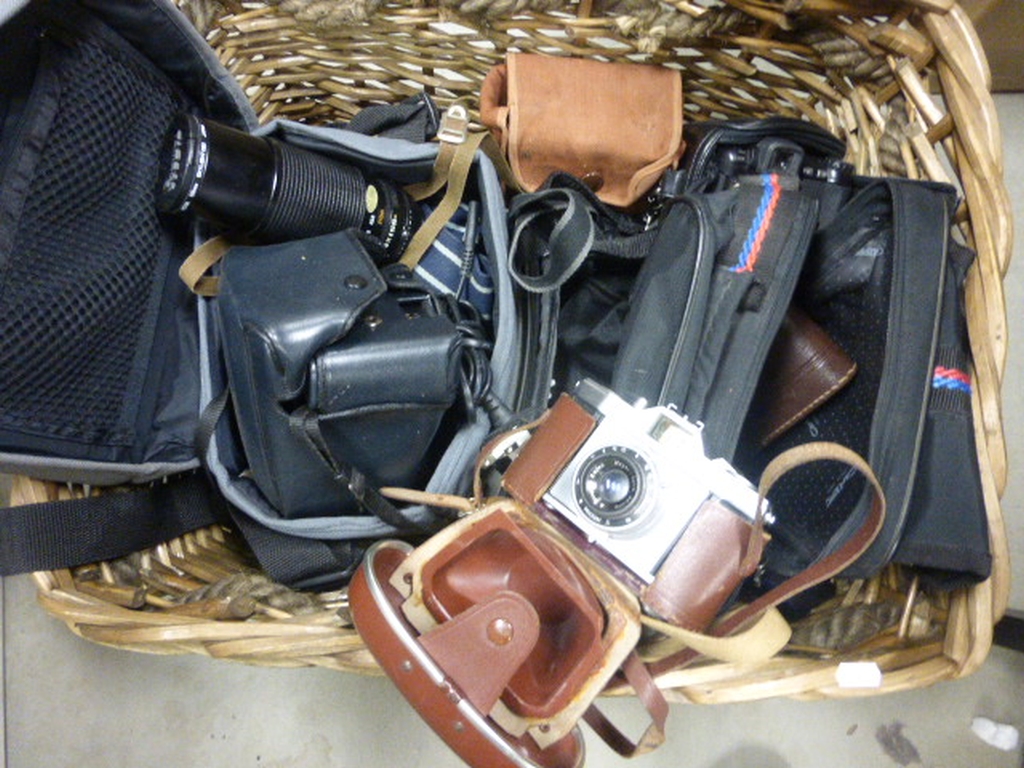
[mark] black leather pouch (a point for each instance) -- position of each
(379, 395)
(327, 369)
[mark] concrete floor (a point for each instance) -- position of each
(69, 703)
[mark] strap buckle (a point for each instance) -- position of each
(454, 125)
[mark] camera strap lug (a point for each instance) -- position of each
(454, 125)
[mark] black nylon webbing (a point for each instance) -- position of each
(297, 562)
(62, 534)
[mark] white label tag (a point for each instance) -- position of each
(858, 674)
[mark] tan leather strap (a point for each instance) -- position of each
(643, 684)
(193, 271)
(816, 573)
(753, 644)
(451, 171)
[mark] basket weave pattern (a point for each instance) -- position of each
(904, 83)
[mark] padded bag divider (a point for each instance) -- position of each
(98, 340)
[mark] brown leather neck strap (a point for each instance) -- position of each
(823, 569)
(643, 684)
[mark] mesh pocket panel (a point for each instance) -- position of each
(82, 287)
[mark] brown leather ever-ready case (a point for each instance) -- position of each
(501, 636)
(616, 126)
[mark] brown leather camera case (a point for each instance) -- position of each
(616, 126)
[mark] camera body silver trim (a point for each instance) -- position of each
(679, 478)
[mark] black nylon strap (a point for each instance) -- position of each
(208, 421)
(297, 562)
(63, 534)
(577, 224)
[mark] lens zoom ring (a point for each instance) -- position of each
(314, 196)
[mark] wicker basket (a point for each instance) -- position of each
(905, 83)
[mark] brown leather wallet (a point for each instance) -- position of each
(616, 126)
(804, 369)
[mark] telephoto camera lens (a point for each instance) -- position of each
(270, 191)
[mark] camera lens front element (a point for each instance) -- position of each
(611, 486)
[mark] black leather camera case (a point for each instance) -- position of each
(326, 366)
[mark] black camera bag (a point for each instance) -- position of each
(99, 353)
(310, 530)
(113, 370)
(884, 279)
(906, 405)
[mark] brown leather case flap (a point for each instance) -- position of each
(404, 656)
(617, 126)
(556, 440)
(587, 623)
(498, 557)
(703, 569)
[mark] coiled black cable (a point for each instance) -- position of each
(475, 372)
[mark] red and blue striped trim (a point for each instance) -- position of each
(951, 378)
(761, 224)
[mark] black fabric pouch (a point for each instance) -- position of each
(874, 282)
(710, 299)
(717, 283)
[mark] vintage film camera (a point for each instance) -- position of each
(633, 488)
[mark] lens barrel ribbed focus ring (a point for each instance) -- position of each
(312, 197)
